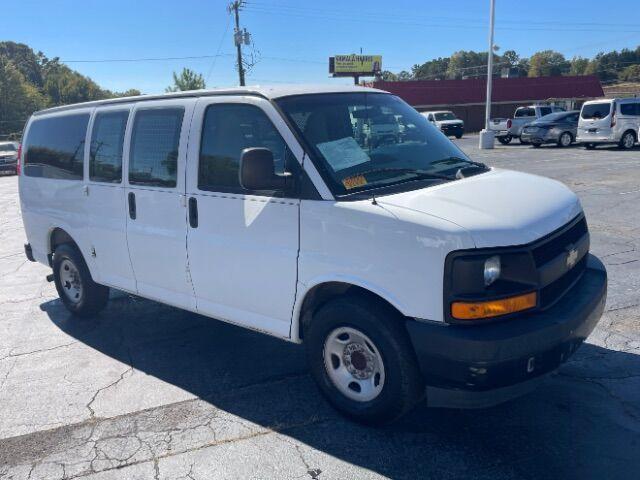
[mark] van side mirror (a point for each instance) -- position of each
(257, 170)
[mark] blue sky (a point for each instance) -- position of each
(293, 39)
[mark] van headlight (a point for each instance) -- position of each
(485, 283)
(491, 270)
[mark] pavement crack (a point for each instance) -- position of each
(32, 352)
(92, 413)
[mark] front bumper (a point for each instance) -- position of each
(8, 166)
(500, 355)
(452, 130)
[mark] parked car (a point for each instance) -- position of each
(558, 128)
(404, 268)
(609, 121)
(9, 157)
(506, 129)
(447, 122)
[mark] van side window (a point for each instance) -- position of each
(107, 139)
(153, 157)
(545, 111)
(630, 108)
(55, 147)
(227, 130)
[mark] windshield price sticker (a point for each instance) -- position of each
(354, 182)
(343, 153)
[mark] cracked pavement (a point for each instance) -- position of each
(146, 391)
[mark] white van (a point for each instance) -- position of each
(400, 266)
(609, 121)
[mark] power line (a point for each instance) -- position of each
(217, 54)
(394, 19)
(147, 59)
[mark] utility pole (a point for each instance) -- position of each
(487, 135)
(238, 36)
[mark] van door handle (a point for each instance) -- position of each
(132, 205)
(193, 212)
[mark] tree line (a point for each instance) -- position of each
(609, 67)
(31, 81)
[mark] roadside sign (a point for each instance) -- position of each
(355, 65)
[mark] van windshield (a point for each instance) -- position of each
(366, 141)
(595, 110)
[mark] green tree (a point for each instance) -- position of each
(188, 80)
(432, 70)
(578, 66)
(630, 74)
(548, 63)
(467, 64)
(64, 86)
(510, 58)
(18, 98)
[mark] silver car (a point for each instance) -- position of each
(558, 128)
(9, 157)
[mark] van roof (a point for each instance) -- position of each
(610, 100)
(266, 91)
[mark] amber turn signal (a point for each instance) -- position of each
(492, 308)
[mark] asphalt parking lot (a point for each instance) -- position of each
(148, 391)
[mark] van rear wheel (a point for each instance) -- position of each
(628, 140)
(77, 290)
(506, 140)
(362, 360)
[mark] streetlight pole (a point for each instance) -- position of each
(487, 135)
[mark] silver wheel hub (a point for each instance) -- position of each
(628, 141)
(354, 364)
(566, 139)
(70, 281)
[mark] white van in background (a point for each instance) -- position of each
(447, 122)
(399, 265)
(609, 121)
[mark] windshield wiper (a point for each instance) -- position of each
(418, 173)
(464, 160)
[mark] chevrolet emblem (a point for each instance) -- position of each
(572, 257)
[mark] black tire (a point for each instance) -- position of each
(403, 386)
(589, 146)
(562, 139)
(506, 140)
(458, 136)
(536, 145)
(628, 140)
(93, 297)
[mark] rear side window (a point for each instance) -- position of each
(153, 159)
(107, 139)
(227, 130)
(630, 108)
(595, 110)
(525, 112)
(545, 111)
(54, 147)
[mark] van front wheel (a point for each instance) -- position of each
(77, 290)
(362, 360)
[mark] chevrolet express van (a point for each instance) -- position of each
(609, 121)
(405, 268)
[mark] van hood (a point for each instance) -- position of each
(498, 208)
